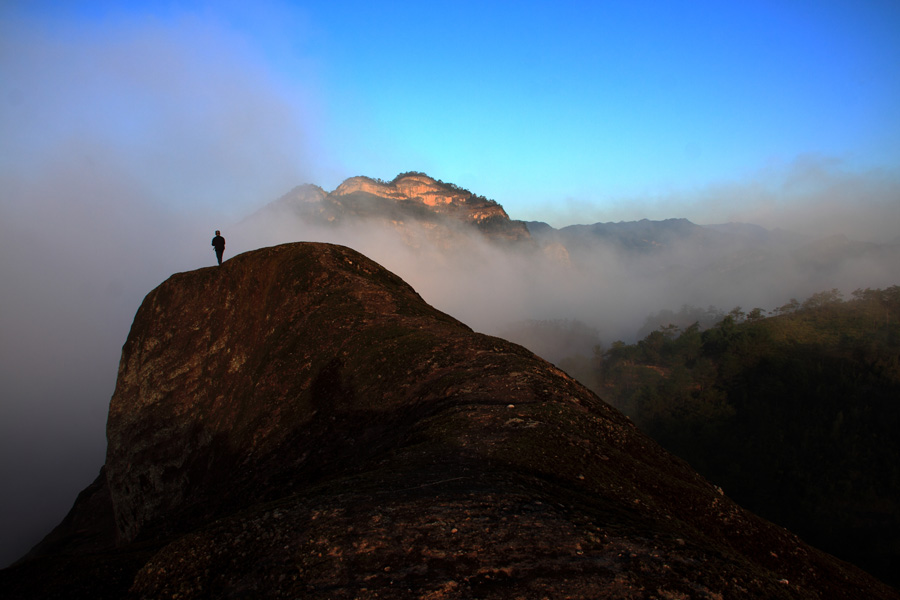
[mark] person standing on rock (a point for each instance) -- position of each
(218, 243)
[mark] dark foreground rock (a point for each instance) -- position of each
(298, 423)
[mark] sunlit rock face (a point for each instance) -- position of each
(424, 189)
(409, 187)
(409, 200)
(300, 423)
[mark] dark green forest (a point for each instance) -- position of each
(795, 414)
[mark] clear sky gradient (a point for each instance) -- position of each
(562, 111)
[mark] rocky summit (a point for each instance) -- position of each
(299, 423)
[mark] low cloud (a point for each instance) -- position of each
(812, 195)
(124, 148)
(605, 285)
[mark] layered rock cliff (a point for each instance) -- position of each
(300, 423)
(409, 199)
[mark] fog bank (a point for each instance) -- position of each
(124, 147)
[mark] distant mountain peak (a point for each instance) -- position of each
(410, 197)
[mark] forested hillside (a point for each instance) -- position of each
(795, 415)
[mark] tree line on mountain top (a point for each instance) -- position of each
(795, 415)
(473, 198)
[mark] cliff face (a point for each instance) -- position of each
(409, 187)
(300, 423)
(419, 188)
(411, 198)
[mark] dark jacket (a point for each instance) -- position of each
(219, 243)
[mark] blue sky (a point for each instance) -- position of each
(561, 111)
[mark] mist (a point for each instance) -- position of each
(493, 287)
(813, 195)
(124, 150)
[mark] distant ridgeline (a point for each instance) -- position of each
(795, 415)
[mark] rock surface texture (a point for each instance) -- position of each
(299, 423)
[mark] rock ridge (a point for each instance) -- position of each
(299, 422)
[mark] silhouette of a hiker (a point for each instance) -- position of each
(218, 243)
